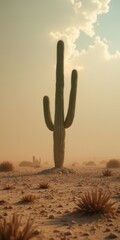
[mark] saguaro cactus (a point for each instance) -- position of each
(60, 123)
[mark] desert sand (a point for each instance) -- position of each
(53, 212)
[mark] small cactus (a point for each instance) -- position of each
(60, 122)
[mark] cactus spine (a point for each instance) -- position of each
(60, 123)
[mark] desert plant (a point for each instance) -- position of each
(60, 123)
(12, 230)
(6, 167)
(28, 199)
(95, 202)
(3, 202)
(36, 161)
(26, 164)
(8, 187)
(44, 185)
(90, 163)
(113, 163)
(103, 162)
(29, 164)
(107, 172)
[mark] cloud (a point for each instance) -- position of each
(83, 17)
(63, 19)
(76, 3)
(100, 47)
(84, 14)
(104, 46)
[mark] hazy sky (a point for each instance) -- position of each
(29, 31)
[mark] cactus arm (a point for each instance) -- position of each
(72, 100)
(47, 115)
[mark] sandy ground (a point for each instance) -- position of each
(53, 212)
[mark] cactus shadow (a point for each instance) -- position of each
(70, 219)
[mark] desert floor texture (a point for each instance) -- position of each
(53, 212)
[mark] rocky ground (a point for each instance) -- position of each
(53, 211)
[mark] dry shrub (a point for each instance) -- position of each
(28, 199)
(29, 164)
(95, 202)
(8, 187)
(107, 172)
(44, 185)
(3, 202)
(12, 230)
(6, 167)
(90, 163)
(113, 163)
(26, 164)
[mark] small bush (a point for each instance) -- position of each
(12, 230)
(107, 172)
(29, 164)
(90, 163)
(28, 199)
(26, 164)
(95, 202)
(113, 163)
(44, 185)
(3, 202)
(8, 187)
(6, 167)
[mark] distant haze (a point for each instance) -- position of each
(29, 34)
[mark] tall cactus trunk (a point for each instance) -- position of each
(59, 146)
(59, 130)
(60, 123)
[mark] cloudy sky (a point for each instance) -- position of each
(29, 33)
